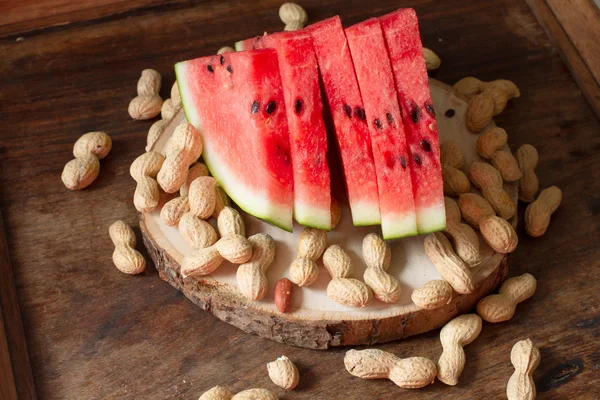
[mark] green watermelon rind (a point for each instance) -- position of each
(250, 204)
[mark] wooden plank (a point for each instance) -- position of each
(582, 74)
(8, 388)
(23, 16)
(581, 21)
(16, 381)
(94, 333)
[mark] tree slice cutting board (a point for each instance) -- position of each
(313, 320)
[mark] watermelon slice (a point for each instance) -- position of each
(235, 101)
(401, 31)
(376, 82)
(346, 107)
(308, 138)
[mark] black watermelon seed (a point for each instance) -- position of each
(222, 60)
(425, 145)
(348, 110)
(210, 68)
(298, 105)
(414, 114)
(417, 159)
(271, 107)
(255, 107)
(430, 109)
(360, 113)
(377, 123)
(403, 161)
(450, 113)
(390, 118)
(229, 69)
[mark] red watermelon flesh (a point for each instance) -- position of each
(308, 138)
(376, 82)
(347, 111)
(401, 31)
(235, 101)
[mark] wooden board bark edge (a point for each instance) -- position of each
(232, 308)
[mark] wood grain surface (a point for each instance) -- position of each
(94, 333)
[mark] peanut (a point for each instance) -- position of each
(222, 393)
(480, 112)
(98, 144)
(149, 83)
(225, 50)
(202, 196)
(174, 209)
(255, 394)
(342, 288)
(490, 144)
(125, 257)
(168, 109)
(410, 373)
(233, 247)
(527, 158)
(489, 181)
(455, 181)
(452, 210)
(80, 172)
(217, 393)
(145, 107)
(185, 146)
(230, 222)
(144, 170)
(498, 234)
(283, 294)
(377, 256)
(221, 201)
(250, 276)
(473, 207)
(293, 16)
(525, 357)
(197, 233)
(464, 238)
(538, 213)
(432, 61)
(451, 267)
(486, 99)
(196, 170)
(451, 154)
(433, 294)
(455, 335)
(469, 86)
(304, 270)
(148, 103)
(490, 141)
(283, 373)
(175, 96)
(154, 133)
(336, 213)
(501, 307)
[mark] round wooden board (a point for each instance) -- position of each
(314, 321)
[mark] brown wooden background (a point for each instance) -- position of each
(93, 333)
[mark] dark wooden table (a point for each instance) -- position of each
(93, 333)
